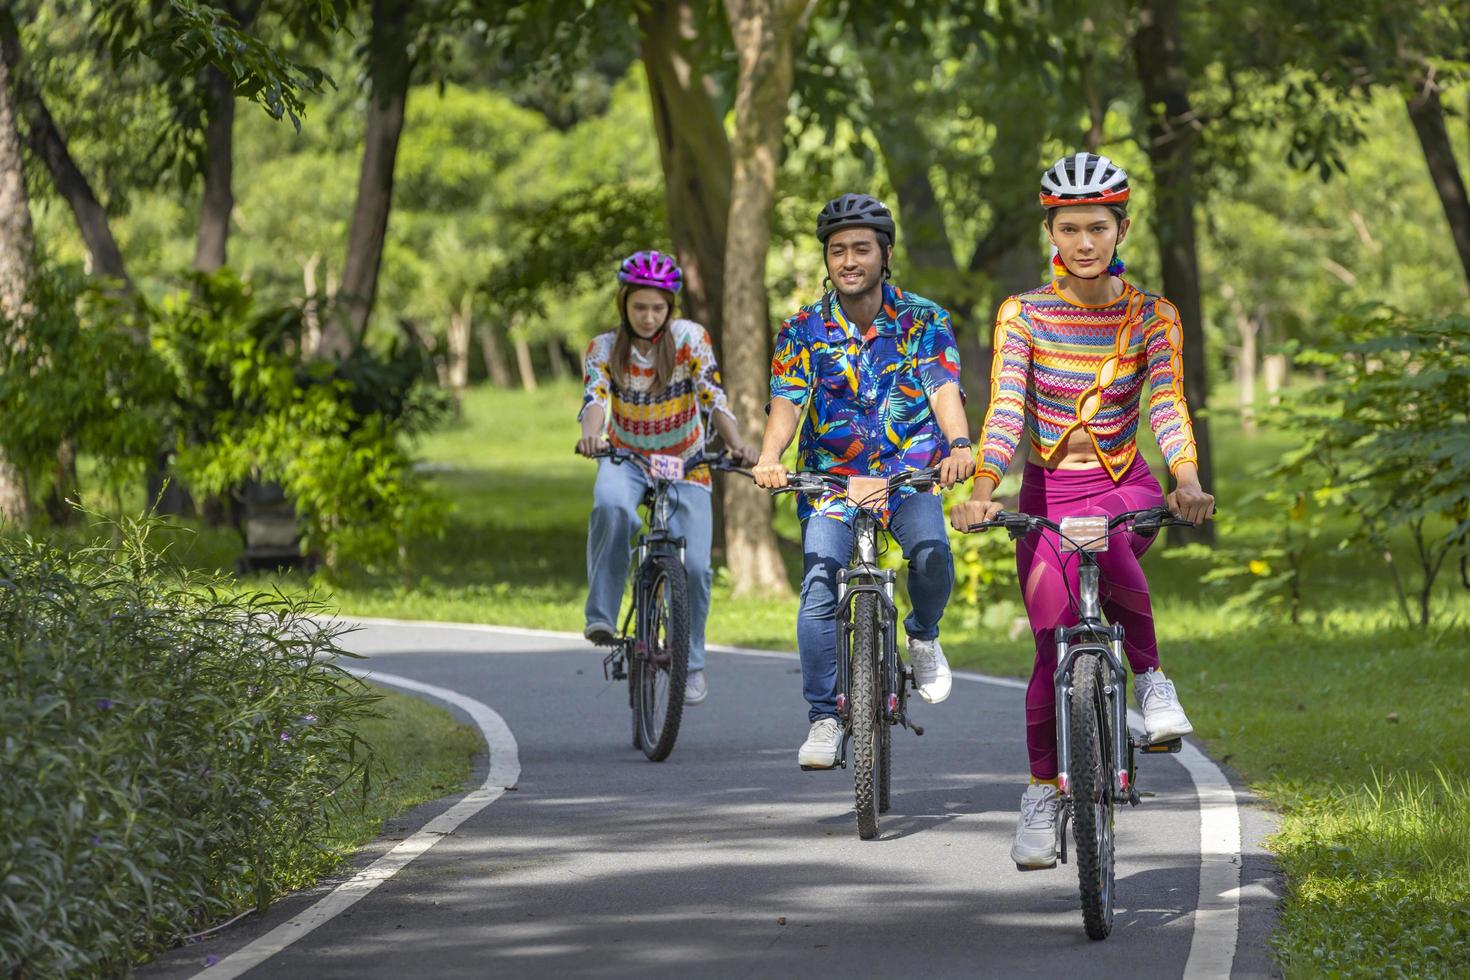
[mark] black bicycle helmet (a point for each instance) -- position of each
(856, 211)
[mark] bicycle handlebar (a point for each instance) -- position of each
(1146, 522)
(720, 461)
(818, 482)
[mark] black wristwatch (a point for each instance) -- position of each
(962, 444)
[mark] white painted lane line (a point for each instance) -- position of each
(505, 770)
(1217, 915)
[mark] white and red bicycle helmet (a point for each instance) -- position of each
(1084, 178)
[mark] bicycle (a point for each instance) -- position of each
(872, 678)
(653, 655)
(1095, 747)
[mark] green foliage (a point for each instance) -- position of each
(74, 367)
(185, 36)
(1386, 438)
(334, 435)
(173, 750)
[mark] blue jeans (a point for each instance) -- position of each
(826, 543)
(615, 498)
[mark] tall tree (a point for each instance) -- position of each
(390, 66)
(693, 149)
(17, 253)
(49, 145)
(217, 163)
(765, 32)
(1426, 111)
(1163, 74)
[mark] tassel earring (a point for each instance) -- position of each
(1058, 267)
(1116, 267)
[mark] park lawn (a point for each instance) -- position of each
(420, 753)
(1354, 726)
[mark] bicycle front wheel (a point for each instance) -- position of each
(866, 740)
(663, 657)
(1092, 796)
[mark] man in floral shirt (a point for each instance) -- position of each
(871, 375)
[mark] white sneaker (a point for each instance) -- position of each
(819, 751)
(931, 670)
(1035, 845)
(1163, 718)
(601, 634)
(696, 688)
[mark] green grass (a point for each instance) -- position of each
(1354, 726)
(420, 753)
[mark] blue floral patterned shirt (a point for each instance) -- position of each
(866, 397)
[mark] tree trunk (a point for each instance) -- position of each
(1245, 363)
(523, 362)
(311, 308)
(495, 367)
(1273, 368)
(389, 68)
(765, 32)
(48, 144)
(694, 152)
(17, 253)
(1427, 114)
(460, 325)
(556, 360)
(1163, 74)
(218, 203)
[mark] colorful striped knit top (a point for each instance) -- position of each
(1059, 365)
(666, 422)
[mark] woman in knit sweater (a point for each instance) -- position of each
(650, 385)
(1071, 361)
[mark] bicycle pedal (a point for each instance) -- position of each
(1165, 747)
(1036, 867)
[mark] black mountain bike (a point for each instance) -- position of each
(872, 678)
(651, 650)
(1095, 747)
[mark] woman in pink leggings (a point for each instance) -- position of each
(1071, 361)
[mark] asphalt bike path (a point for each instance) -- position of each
(575, 856)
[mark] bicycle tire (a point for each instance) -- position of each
(864, 717)
(885, 763)
(635, 677)
(1092, 806)
(664, 659)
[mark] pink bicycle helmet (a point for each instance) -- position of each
(653, 269)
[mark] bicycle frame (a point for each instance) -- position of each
(1092, 635)
(864, 576)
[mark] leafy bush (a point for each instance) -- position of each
(77, 367)
(332, 434)
(169, 751)
(1385, 440)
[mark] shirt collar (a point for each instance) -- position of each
(885, 325)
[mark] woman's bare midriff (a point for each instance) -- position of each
(1076, 452)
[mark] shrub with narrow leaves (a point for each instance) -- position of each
(168, 752)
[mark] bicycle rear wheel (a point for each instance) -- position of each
(1092, 796)
(865, 722)
(885, 763)
(663, 662)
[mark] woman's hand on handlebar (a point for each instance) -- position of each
(1191, 503)
(973, 511)
(744, 455)
(591, 445)
(770, 474)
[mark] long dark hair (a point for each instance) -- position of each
(663, 347)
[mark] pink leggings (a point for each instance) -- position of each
(1045, 583)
